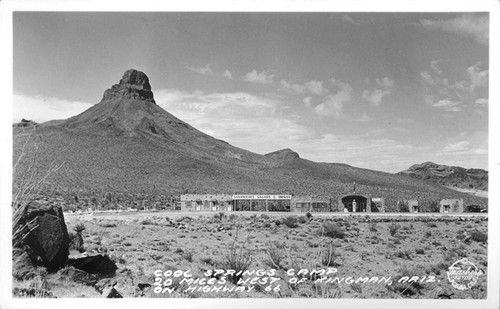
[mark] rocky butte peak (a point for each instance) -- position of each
(133, 85)
(283, 154)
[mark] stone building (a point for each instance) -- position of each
(451, 206)
(360, 202)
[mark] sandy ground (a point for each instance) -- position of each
(372, 245)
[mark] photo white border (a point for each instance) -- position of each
(6, 89)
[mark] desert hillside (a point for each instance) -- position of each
(449, 176)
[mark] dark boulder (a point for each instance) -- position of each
(99, 264)
(48, 240)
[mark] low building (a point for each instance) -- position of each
(310, 204)
(451, 206)
(360, 202)
(261, 202)
(206, 202)
(413, 206)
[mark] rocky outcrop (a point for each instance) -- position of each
(25, 123)
(283, 154)
(133, 85)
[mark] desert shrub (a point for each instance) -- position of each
(188, 255)
(332, 230)
(364, 255)
(406, 289)
(428, 234)
(357, 288)
(108, 224)
(236, 257)
(407, 227)
(146, 222)
(436, 243)
(373, 227)
(275, 255)
(290, 221)
(479, 236)
(453, 255)
(431, 224)
(302, 220)
(403, 207)
(264, 216)
(328, 254)
(434, 207)
(478, 292)
(326, 290)
(347, 224)
(419, 251)
(393, 228)
(179, 251)
(478, 251)
(438, 267)
(208, 260)
(233, 217)
(403, 254)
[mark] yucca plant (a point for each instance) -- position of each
(79, 228)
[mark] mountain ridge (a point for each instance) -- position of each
(128, 143)
(450, 176)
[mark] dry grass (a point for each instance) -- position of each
(253, 244)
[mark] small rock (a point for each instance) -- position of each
(111, 292)
(99, 264)
(78, 276)
(102, 284)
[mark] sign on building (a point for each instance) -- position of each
(262, 197)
